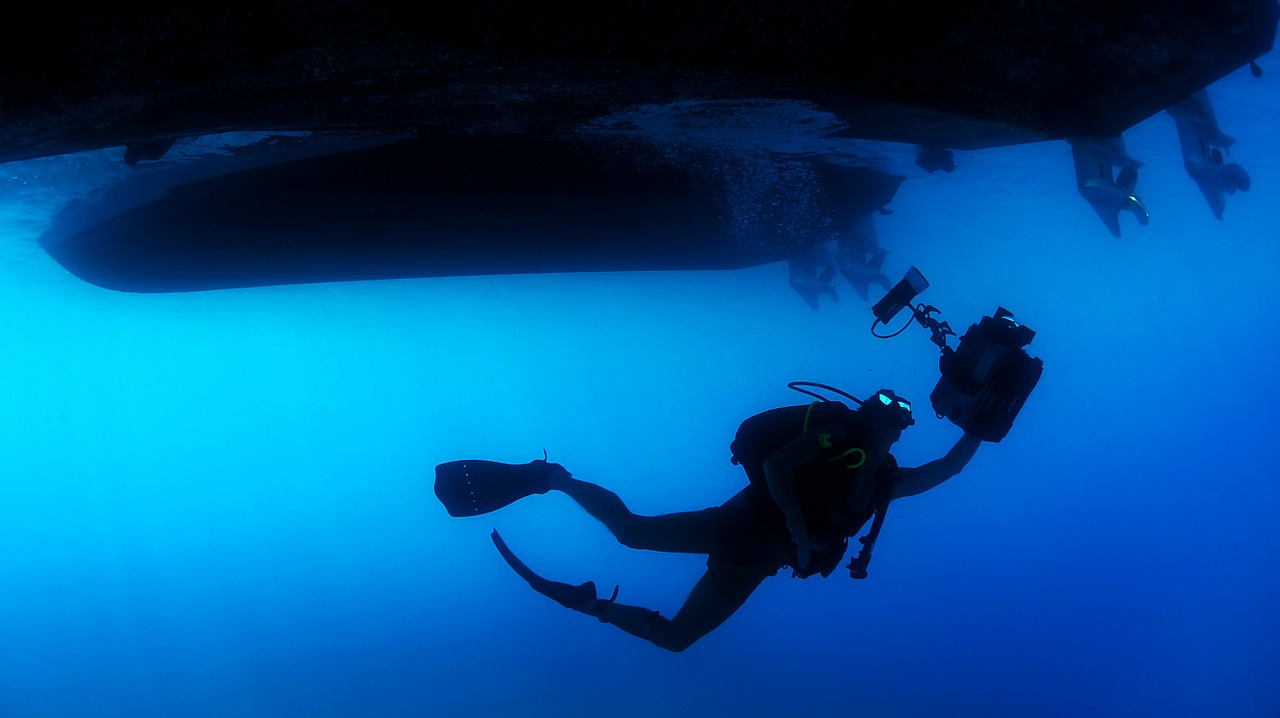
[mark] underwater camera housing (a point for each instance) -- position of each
(987, 378)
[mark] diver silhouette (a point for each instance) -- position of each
(817, 473)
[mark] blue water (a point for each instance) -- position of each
(219, 504)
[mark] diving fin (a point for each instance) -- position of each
(581, 598)
(474, 486)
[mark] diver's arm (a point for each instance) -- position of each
(780, 475)
(925, 477)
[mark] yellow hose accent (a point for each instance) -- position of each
(862, 458)
(807, 412)
(824, 441)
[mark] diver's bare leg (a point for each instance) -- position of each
(686, 532)
(713, 599)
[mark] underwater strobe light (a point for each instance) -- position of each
(987, 378)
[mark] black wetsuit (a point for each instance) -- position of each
(746, 538)
(751, 531)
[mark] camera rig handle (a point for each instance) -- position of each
(938, 330)
(985, 380)
(923, 313)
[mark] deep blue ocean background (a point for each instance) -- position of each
(219, 503)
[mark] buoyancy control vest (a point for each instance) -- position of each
(835, 493)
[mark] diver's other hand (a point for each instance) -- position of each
(800, 537)
(804, 550)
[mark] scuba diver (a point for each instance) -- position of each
(817, 473)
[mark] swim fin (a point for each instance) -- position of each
(474, 486)
(581, 598)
